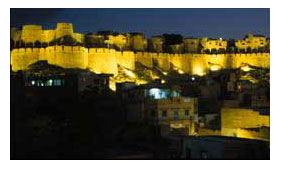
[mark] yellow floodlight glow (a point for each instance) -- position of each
(215, 67)
(180, 72)
(129, 73)
(163, 81)
(245, 68)
(140, 82)
(112, 84)
(199, 71)
(165, 73)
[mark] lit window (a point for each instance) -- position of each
(57, 82)
(155, 93)
(49, 83)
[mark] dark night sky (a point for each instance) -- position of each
(215, 23)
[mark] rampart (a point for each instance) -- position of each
(104, 60)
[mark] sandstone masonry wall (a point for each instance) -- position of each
(105, 60)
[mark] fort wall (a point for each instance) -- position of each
(145, 58)
(105, 60)
(126, 59)
(162, 60)
(101, 60)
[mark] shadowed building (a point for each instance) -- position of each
(221, 147)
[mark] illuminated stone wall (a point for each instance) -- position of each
(79, 37)
(31, 33)
(138, 42)
(105, 60)
(156, 44)
(22, 58)
(120, 41)
(101, 60)
(191, 45)
(162, 60)
(48, 35)
(242, 118)
(64, 29)
(234, 122)
(15, 34)
(209, 44)
(145, 58)
(126, 59)
(252, 42)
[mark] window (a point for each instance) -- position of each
(164, 113)
(186, 112)
(57, 82)
(175, 115)
(49, 82)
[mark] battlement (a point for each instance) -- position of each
(106, 60)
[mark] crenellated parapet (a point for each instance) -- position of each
(105, 51)
(104, 60)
